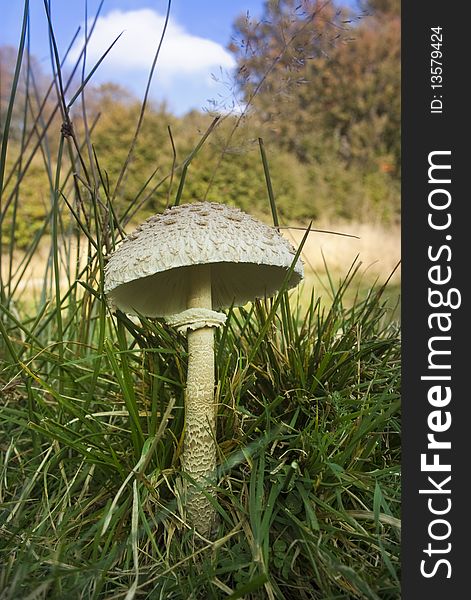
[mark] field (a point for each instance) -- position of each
(376, 250)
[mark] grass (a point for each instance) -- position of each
(308, 491)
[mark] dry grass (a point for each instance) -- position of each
(378, 249)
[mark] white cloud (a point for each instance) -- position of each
(181, 52)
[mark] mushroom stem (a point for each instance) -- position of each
(199, 451)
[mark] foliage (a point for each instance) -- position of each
(328, 92)
(323, 93)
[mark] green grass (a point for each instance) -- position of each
(308, 491)
(308, 431)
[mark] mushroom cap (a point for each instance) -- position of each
(148, 273)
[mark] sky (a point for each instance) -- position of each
(194, 64)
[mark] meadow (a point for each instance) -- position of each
(92, 403)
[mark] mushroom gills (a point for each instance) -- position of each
(165, 293)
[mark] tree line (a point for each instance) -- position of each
(319, 82)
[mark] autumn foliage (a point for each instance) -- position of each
(319, 83)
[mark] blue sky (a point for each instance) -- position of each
(194, 48)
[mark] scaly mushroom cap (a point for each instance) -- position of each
(148, 273)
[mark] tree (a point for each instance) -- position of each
(275, 55)
(326, 84)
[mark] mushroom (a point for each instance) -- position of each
(182, 265)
